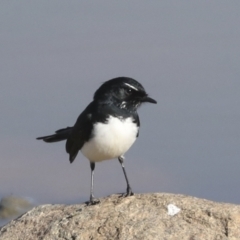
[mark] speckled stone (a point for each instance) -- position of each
(142, 216)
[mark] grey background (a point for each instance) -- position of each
(55, 54)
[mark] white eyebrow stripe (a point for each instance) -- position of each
(131, 86)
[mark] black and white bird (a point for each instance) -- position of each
(108, 126)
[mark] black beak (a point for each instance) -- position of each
(148, 99)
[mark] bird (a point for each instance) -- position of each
(108, 126)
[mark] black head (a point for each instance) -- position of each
(124, 92)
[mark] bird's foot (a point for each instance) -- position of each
(93, 201)
(128, 193)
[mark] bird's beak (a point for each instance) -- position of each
(148, 99)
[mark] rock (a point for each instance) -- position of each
(142, 216)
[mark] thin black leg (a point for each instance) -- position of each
(129, 190)
(92, 199)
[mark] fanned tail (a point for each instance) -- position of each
(60, 135)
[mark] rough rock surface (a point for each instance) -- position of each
(142, 216)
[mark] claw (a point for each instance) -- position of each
(93, 201)
(128, 193)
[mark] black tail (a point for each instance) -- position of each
(60, 135)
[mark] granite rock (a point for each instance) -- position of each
(142, 216)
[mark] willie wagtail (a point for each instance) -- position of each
(108, 126)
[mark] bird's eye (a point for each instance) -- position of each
(129, 90)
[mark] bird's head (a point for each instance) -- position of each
(124, 92)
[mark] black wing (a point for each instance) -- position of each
(137, 121)
(80, 133)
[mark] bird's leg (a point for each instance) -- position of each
(129, 190)
(92, 199)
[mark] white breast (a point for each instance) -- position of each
(111, 139)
